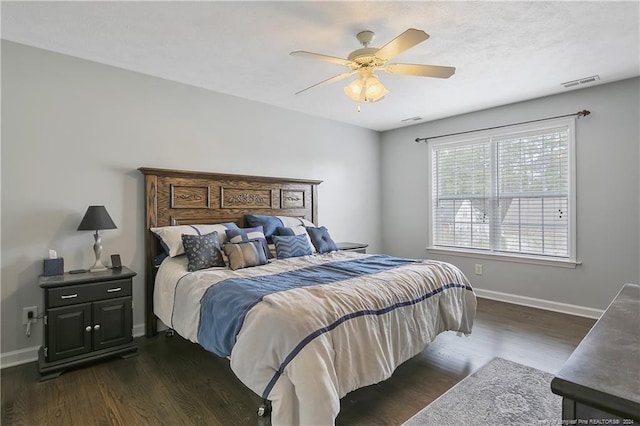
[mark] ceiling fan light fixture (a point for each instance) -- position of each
(366, 60)
(366, 89)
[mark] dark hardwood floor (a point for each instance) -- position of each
(175, 382)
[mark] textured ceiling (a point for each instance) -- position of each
(504, 52)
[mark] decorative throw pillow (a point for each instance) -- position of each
(171, 236)
(295, 230)
(287, 232)
(293, 246)
(321, 239)
(245, 255)
(203, 251)
(271, 223)
(243, 235)
(268, 223)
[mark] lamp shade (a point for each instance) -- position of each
(96, 218)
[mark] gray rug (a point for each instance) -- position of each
(500, 393)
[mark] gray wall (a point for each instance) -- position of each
(608, 183)
(74, 133)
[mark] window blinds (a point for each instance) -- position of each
(504, 193)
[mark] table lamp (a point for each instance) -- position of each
(95, 219)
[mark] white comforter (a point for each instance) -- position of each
(305, 381)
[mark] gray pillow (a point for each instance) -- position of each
(203, 251)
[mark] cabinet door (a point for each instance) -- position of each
(112, 323)
(69, 331)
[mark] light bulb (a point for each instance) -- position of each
(375, 89)
(355, 87)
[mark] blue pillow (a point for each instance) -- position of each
(284, 232)
(203, 251)
(270, 223)
(291, 246)
(321, 239)
(243, 235)
(296, 230)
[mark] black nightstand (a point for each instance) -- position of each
(87, 317)
(357, 247)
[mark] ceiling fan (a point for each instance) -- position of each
(365, 61)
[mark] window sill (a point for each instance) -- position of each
(562, 263)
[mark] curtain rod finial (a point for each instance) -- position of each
(584, 113)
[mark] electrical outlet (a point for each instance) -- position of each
(25, 314)
(478, 268)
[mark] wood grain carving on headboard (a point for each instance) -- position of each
(179, 197)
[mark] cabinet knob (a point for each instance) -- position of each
(96, 327)
(88, 329)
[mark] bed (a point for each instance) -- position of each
(303, 331)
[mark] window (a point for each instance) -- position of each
(508, 191)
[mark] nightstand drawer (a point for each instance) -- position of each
(74, 294)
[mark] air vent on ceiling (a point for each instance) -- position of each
(581, 81)
(412, 119)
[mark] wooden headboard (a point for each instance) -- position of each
(179, 197)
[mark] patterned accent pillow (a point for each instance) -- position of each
(243, 235)
(293, 246)
(295, 230)
(203, 251)
(271, 223)
(171, 236)
(245, 255)
(321, 239)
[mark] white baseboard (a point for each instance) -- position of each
(532, 302)
(23, 356)
(139, 330)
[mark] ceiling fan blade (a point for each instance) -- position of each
(325, 58)
(329, 80)
(403, 42)
(420, 70)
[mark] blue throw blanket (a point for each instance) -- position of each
(225, 305)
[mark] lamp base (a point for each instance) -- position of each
(98, 267)
(97, 248)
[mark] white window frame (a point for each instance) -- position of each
(571, 260)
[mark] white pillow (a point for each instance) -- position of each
(171, 236)
(292, 222)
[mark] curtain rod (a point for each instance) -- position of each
(582, 113)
